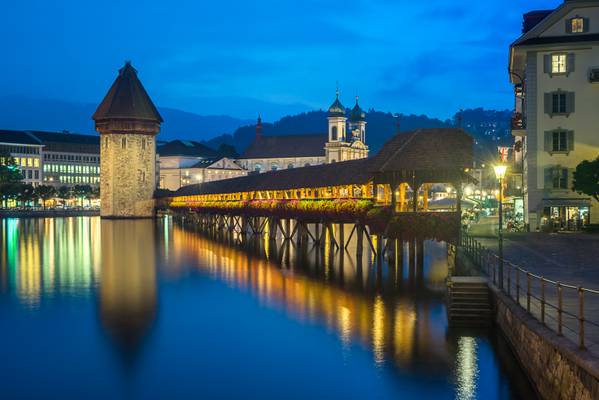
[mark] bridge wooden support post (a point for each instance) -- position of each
(273, 226)
(303, 231)
(420, 262)
(243, 224)
(412, 259)
(341, 238)
(317, 233)
(360, 240)
(323, 234)
(379, 248)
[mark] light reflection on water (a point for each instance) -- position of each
(394, 311)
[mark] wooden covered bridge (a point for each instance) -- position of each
(386, 194)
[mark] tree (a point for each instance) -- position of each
(586, 178)
(26, 193)
(65, 193)
(9, 170)
(10, 176)
(45, 193)
(82, 192)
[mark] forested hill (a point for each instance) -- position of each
(490, 128)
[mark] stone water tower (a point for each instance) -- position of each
(128, 123)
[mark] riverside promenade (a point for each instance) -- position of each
(568, 258)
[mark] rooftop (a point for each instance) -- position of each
(286, 146)
(187, 148)
(442, 152)
(127, 99)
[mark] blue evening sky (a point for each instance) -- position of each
(272, 57)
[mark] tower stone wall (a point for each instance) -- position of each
(127, 175)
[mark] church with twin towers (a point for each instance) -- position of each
(345, 140)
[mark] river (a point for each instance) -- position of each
(95, 308)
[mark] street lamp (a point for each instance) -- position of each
(500, 171)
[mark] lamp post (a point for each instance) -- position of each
(500, 171)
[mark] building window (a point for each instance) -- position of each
(577, 25)
(258, 167)
(558, 178)
(307, 164)
(143, 144)
(559, 62)
(559, 103)
(274, 167)
(124, 143)
(334, 134)
(290, 166)
(559, 141)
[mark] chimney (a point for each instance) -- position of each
(259, 128)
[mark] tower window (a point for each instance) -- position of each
(124, 143)
(143, 144)
(334, 134)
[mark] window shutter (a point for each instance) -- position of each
(548, 141)
(548, 178)
(569, 25)
(548, 103)
(585, 27)
(547, 63)
(570, 66)
(570, 140)
(570, 102)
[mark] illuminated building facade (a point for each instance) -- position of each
(554, 69)
(27, 153)
(54, 158)
(184, 162)
(345, 140)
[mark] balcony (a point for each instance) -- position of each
(518, 124)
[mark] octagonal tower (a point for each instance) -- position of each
(128, 123)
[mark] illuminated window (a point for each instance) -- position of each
(559, 63)
(577, 25)
(36, 162)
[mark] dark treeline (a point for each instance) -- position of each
(490, 128)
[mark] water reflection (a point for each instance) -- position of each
(400, 318)
(128, 285)
(49, 257)
(390, 310)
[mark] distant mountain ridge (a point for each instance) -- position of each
(490, 128)
(57, 115)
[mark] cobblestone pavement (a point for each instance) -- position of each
(570, 258)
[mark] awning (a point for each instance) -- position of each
(566, 202)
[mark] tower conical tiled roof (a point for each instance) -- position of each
(127, 99)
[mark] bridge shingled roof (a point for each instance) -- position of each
(421, 150)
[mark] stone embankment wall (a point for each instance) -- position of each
(557, 368)
(48, 213)
(554, 364)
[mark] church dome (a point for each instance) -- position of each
(357, 114)
(336, 109)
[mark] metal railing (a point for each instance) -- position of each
(557, 305)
